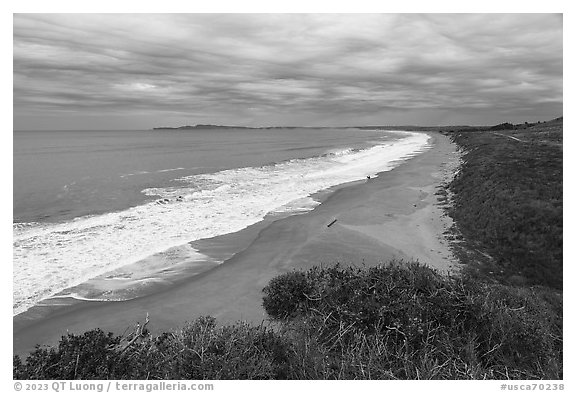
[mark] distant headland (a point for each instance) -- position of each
(218, 127)
(197, 126)
(383, 127)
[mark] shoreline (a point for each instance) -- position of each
(395, 215)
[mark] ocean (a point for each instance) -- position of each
(98, 214)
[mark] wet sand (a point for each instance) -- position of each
(393, 216)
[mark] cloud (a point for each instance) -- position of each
(256, 69)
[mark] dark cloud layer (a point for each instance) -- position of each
(132, 71)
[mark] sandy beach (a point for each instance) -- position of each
(393, 216)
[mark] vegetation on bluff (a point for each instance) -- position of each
(405, 321)
(507, 199)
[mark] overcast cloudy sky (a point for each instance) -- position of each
(139, 71)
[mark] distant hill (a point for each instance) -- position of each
(197, 126)
(521, 126)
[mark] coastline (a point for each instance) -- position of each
(395, 215)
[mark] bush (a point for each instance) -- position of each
(406, 321)
(284, 293)
(86, 356)
(201, 350)
(204, 351)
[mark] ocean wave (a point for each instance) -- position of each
(148, 172)
(79, 297)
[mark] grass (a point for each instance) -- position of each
(507, 201)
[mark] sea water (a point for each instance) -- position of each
(91, 202)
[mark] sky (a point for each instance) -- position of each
(138, 71)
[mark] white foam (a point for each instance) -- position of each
(51, 257)
(147, 172)
(79, 297)
(301, 205)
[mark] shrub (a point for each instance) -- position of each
(86, 356)
(405, 321)
(201, 350)
(284, 293)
